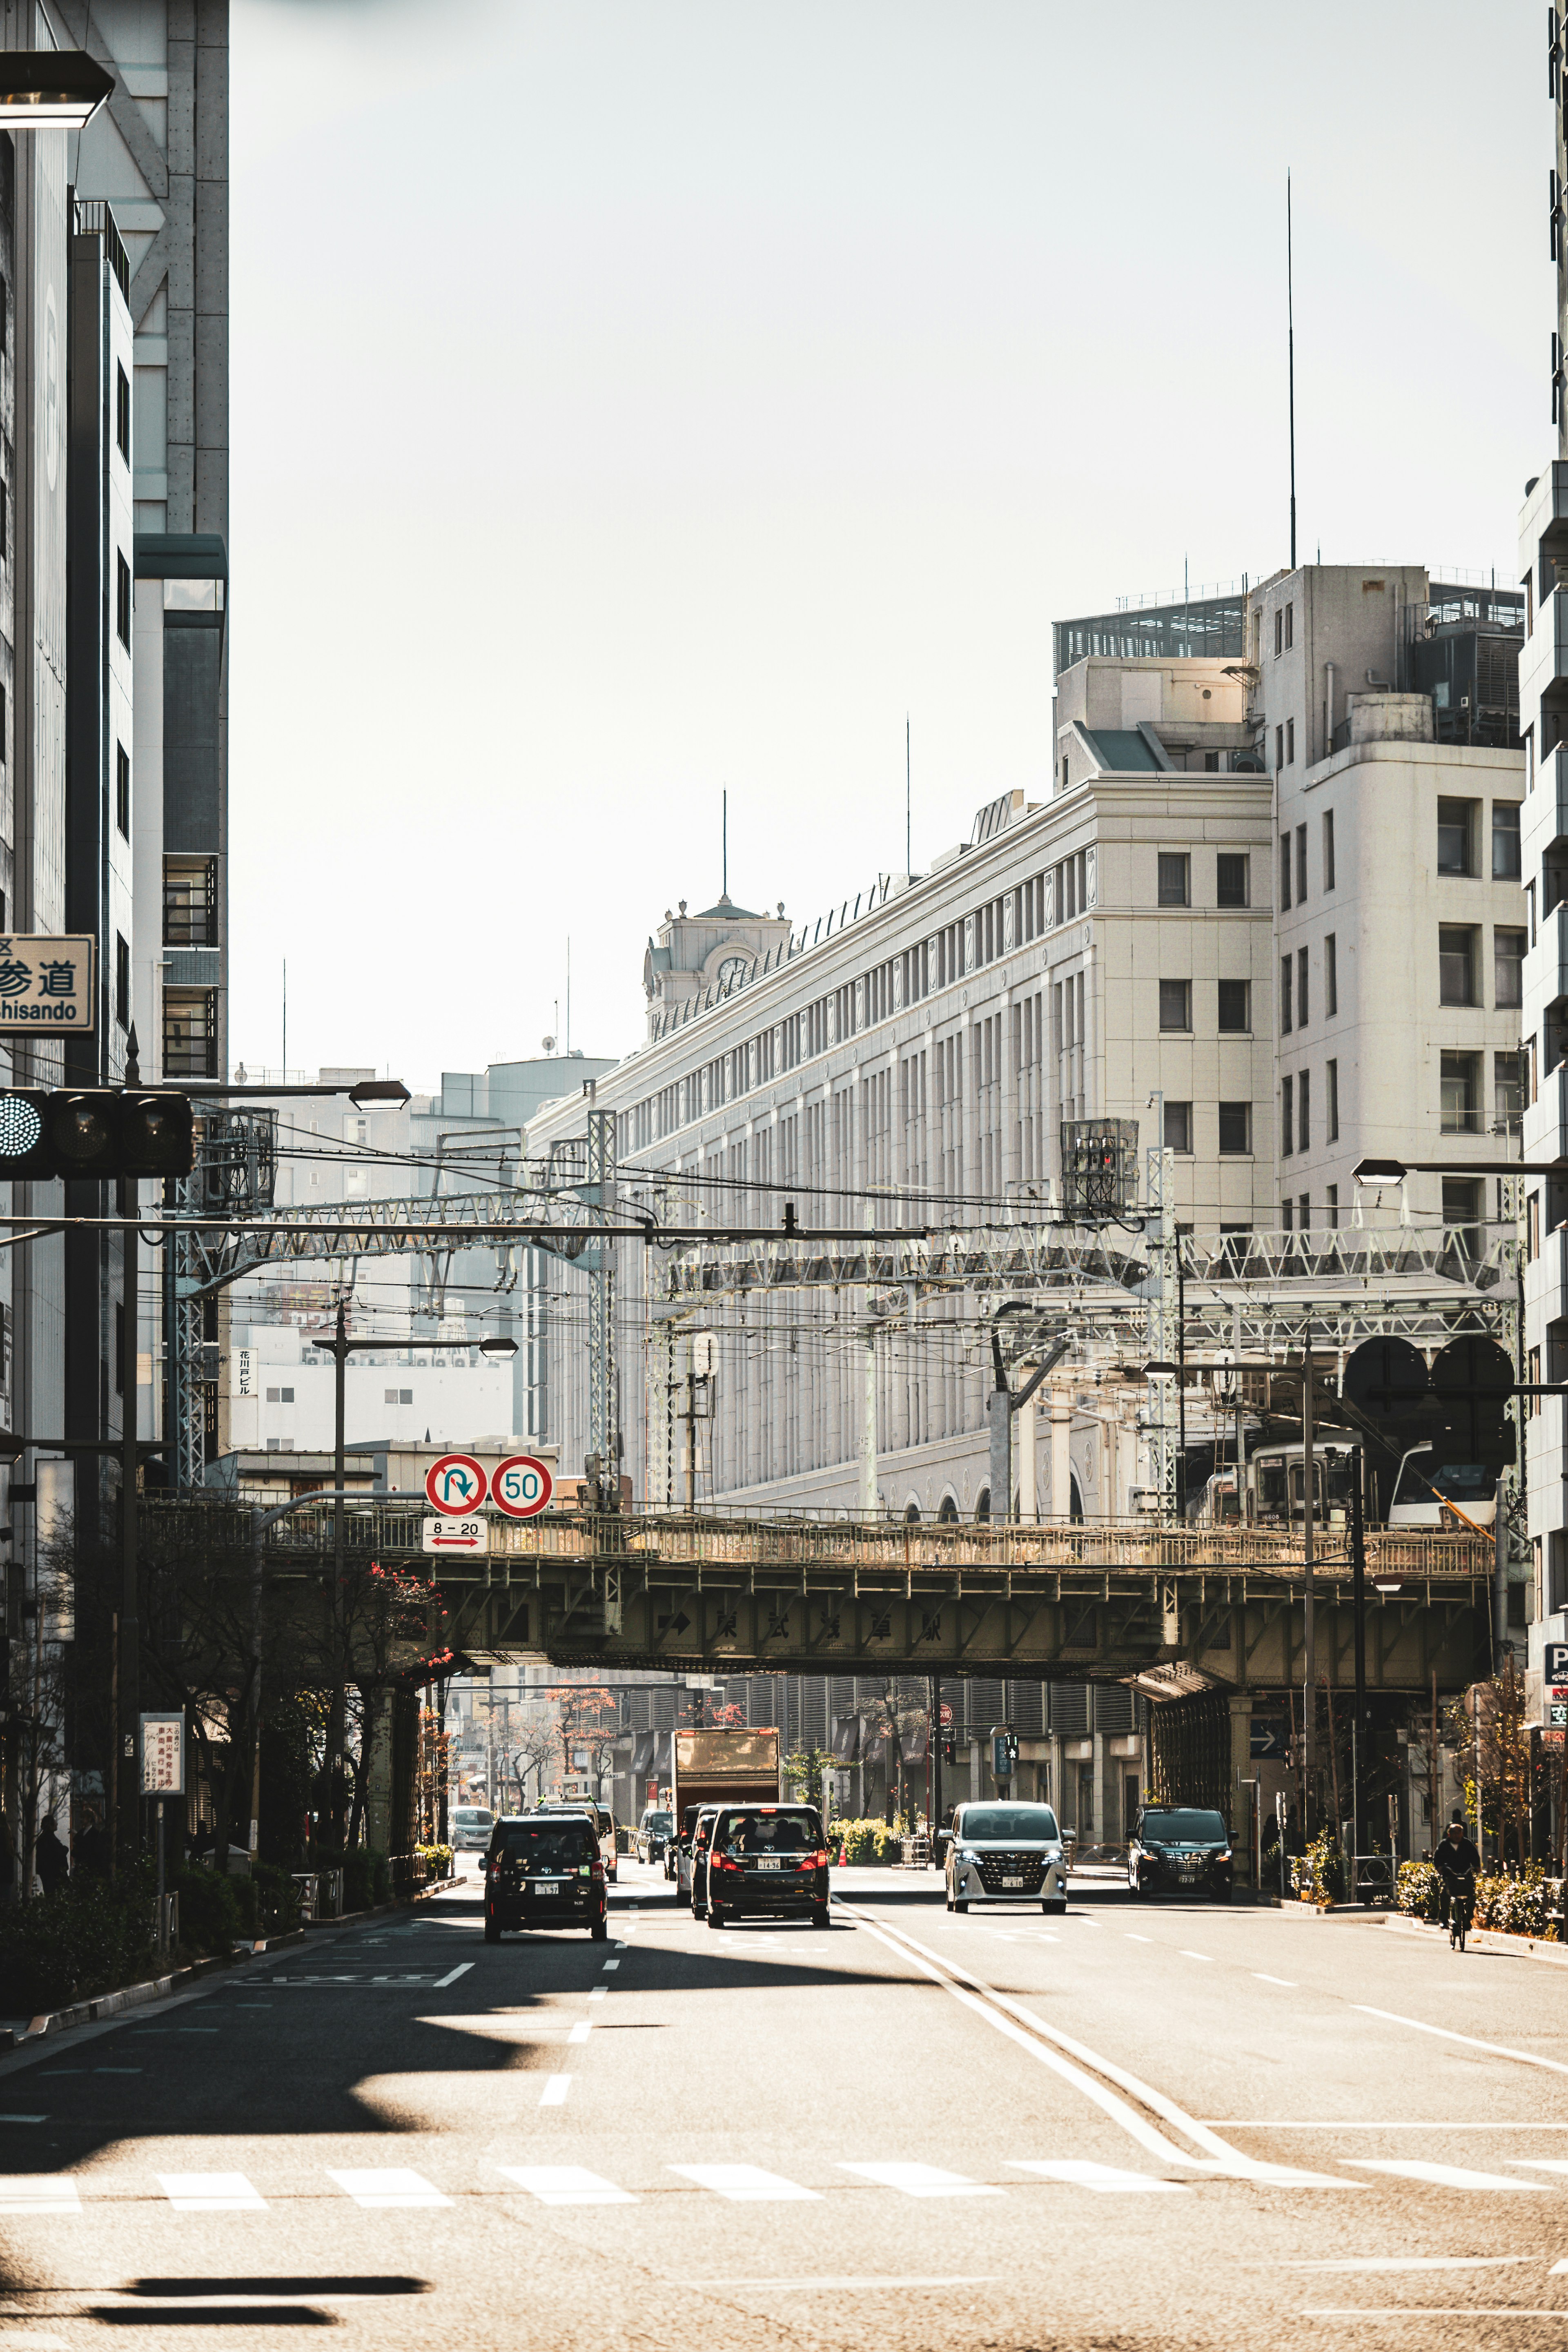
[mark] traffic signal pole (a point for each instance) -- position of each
(126, 1762)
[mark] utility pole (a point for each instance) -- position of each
(128, 1677)
(1358, 1600)
(1308, 1630)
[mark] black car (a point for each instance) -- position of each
(1180, 1850)
(545, 1870)
(767, 1862)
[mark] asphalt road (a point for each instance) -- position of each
(1144, 2124)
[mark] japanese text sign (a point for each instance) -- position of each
(47, 984)
(163, 1756)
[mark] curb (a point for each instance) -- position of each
(1485, 1939)
(110, 2004)
(376, 1910)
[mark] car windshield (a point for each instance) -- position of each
(1179, 1827)
(548, 1846)
(770, 1833)
(1008, 1824)
(472, 1816)
(655, 1821)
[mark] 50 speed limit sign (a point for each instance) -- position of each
(520, 1486)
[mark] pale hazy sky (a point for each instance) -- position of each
(631, 400)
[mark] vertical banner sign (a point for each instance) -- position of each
(163, 1755)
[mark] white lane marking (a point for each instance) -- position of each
(461, 1970)
(813, 2285)
(555, 2089)
(746, 2184)
(24, 2119)
(1416, 2262)
(1381, 2311)
(922, 2180)
(1046, 2044)
(599, 1992)
(1288, 1982)
(1138, 1940)
(609, 1964)
(117, 2070)
(620, 1947)
(1103, 2177)
(384, 2186)
(211, 2192)
(1195, 1955)
(581, 2031)
(1541, 2163)
(41, 2192)
(1496, 2049)
(1442, 2175)
(1366, 2123)
(565, 2184)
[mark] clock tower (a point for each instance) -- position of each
(707, 955)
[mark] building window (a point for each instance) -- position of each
(190, 903)
(122, 981)
(1328, 849)
(122, 789)
(1289, 625)
(1532, 1228)
(1462, 1208)
(1460, 1082)
(1286, 969)
(1331, 975)
(1332, 1198)
(1556, 1569)
(1231, 878)
(1210, 763)
(1455, 964)
(1278, 631)
(1508, 1091)
(1236, 1006)
(190, 1033)
(1304, 1213)
(4, 524)
(121, 599)
(1301, 988)
(1278, 748)
(1175, 1004)
(123, 413)
(1455, 836)
(1287, 1215)
(1284, 873)
(1289, 742)
(1175, 884)
(1300, 866)
(1508, 966)
(1530, 911)
(1235, 1129)
(1178, 1126)
(1332, 1073)
(1304, 1124)
(1532, 1375)
(1505, 841)
(1287, 1118)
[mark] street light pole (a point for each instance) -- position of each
(1308, 1630)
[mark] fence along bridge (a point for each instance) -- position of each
(1195, 1608)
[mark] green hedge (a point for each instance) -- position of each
(59, 1949)
(863, 1842)
(1525, 1905)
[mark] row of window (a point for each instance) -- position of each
(1460, 836)
(1296, 985)
(1235, 1129)
(1233, 1006)
(1233, 878)
(1460, 952)
(1296, 1109)
(1326, 856)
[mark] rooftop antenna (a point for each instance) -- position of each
(724, 847)
(908, 853)
(1291, 320)
(568, 991)
(285, 1020)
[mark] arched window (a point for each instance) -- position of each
(949, 1511)
(1075, 1510)
(913, 1513)
(983, 1503)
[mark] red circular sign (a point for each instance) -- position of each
(944, 1715)
(456, 1485)
(520, 1486)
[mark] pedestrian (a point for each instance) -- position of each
(50, 1860)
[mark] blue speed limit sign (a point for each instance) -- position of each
(520, 1486)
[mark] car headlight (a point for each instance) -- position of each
(1220, 1854)
(965, 1855)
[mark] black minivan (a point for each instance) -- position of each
(544, 1870)
(768, 1862)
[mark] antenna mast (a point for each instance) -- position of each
(724, 847)
(1291, 320)
(909, 855)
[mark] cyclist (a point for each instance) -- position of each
(1456, 1863)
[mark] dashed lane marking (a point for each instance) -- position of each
(211, 2192)
(1106, 2177)
(565, 2184)
(1444, 2033)
(387, 2186)
(581, 2031)
(461, 1970)
(1287, 1982)
(1441, 2175)
(43, 2192)
(922, 2180)
(555, 2089)
(747, 2184)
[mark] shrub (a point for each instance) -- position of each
(437, 1860)
(59, 1949)
(1419, 1891)
(1320, 1870)
(210, 1916)
(276, 1897)
(864, 1842)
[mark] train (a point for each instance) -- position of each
(1273, 1489)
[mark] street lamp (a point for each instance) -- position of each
(51, 89)
(497, 1346)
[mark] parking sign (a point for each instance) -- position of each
(1556, 1662)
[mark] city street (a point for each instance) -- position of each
(1142, 2123)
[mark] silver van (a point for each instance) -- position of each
(1003, 1852)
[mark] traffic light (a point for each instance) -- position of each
(93, 1132)
(1004, 1754)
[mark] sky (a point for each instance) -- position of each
(638, 399)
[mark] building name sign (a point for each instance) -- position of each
(47, 984)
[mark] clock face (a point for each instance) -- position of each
(734, 971)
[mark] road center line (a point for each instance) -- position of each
(1264, 1978)
(461, 1970)
(1495, 2049)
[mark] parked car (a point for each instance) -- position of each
(766, 1862)
(604, 1826)
(1180, 1850)
(1001, 1852)
(469, 1828)
(544, 1870)
(653, 1834)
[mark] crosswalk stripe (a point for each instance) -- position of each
(1105, 2178)
(746, 2184)
(922, 2180)
(39, 2192)
(565, 2184)
(211, 2192)
(387, 2186)
(1442, 2175)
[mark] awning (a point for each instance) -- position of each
(845, 1740)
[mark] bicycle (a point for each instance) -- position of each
(1459, 1908)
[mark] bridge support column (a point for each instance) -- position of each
(1061, 1456)
(1029, 1502)
(1242, 1769)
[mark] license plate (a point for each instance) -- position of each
(1186, 1873)
(1011, 1882)
(770, 1862)
(546, 1887)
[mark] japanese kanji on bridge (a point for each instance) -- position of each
(47, 984)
